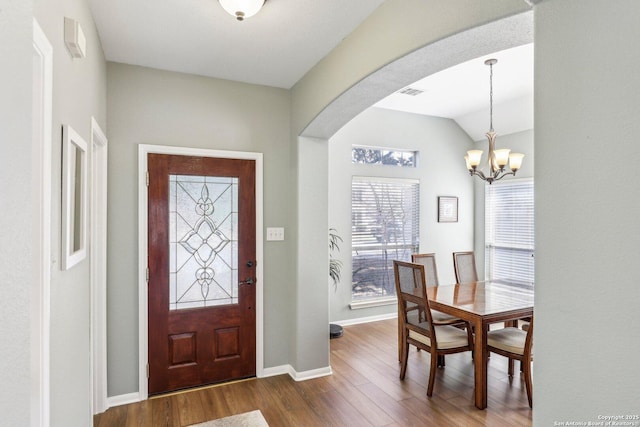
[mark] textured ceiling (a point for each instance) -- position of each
(280, 44)
(276, 47)
(462, 93)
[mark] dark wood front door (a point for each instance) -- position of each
(202, 259)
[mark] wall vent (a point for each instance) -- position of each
(410, 91)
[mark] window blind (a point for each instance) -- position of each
(384, 227)
(509, 231)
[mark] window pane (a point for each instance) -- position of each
(509, 231)
(385, 227)
(380, 156)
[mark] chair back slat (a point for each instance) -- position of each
(464, 265)
(430, 270)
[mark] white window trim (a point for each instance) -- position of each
(377, 302)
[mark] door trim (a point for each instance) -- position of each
(98, 261)
(42, 107)
(143, 150)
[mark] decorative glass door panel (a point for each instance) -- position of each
(203, 242)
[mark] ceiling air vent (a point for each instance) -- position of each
(410, 91)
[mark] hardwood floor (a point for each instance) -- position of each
(364, 390)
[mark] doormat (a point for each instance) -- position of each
(248, 419)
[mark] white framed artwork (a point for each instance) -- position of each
(74, 198)
(447, 209)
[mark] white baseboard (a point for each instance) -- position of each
(297, 376)
(123, 399)
(308, 375)
(276, 370)
(368, 319)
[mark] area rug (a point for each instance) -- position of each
(248, 419)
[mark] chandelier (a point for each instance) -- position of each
(497, 159)
(242, 9)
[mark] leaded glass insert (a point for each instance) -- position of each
(203, 241)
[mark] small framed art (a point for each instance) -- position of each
(447, 209)
(74, 198)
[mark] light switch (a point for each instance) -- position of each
(275, 233)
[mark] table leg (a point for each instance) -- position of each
(480, 364)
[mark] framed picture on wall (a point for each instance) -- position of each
(447, 209)
(74, 198)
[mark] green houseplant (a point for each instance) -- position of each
(335, 269)
(335, 265)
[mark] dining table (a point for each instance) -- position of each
(483, 303)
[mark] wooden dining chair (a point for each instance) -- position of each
(438, 340)
(464, 265)
(515, 344)
(431, 276)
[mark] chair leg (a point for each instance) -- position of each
(404, 357)
(510, 367)
(527, 382)
(441, 360)
(432, 373)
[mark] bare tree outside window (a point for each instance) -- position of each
(385, 227)
(382, 156)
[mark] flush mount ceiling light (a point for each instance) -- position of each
(496, 159)
(242, 9)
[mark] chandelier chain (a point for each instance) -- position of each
(491, 97)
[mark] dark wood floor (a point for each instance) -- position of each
(364, 390)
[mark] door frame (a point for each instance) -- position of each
(143, 331)
(42, 108)
(98, 261)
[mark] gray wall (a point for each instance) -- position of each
(441, 171)
(520, 142)
(310, 329)
(16, 244)
(587, 210)
(148, 106)
(79, 92)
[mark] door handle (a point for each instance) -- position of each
(247, 281)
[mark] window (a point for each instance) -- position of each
(384, 227)
(383, 156)
(509, 231)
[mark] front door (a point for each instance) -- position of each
(202, 260)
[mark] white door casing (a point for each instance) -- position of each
(98, 260)
(42, 102)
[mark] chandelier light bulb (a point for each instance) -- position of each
(474, 158)
(515, 161)
(502, 157)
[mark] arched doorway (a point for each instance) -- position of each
(312, 160)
